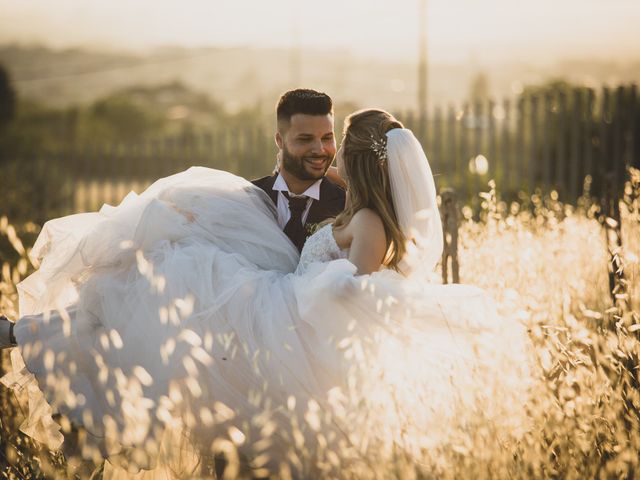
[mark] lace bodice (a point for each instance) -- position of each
(320, 247)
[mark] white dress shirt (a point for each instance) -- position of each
(284, 214)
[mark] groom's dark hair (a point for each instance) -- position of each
(305, 101)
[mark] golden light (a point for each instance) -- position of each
(479, 165)
(499, 113)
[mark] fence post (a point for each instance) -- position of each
(519, 155)
(589, 133)
(604, 143)
(491, 147)
(631, 132)
(547, 118)
(452, 153)
(575, 178)
(449, 209)
(437, 148)
(478, 114)
(533, 147)
(612, 226)
(561, 153)
(505, 147)
(464, 150)
(618, 120)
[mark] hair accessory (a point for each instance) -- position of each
(380, 149)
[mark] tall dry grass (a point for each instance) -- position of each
(547, 264)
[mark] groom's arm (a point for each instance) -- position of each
(332, 174)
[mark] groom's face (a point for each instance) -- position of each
(307, 145)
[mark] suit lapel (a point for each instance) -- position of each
(267, 186)
(318, 212)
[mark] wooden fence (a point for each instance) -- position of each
(547, 141)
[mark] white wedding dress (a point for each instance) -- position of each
(187, 309)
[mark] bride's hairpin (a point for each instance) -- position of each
(380, 149)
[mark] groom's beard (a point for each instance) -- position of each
(301, 167)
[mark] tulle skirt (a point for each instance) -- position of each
(176, 319)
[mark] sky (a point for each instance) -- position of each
(458, 30)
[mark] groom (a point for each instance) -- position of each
(303, 196)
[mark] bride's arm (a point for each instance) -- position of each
(369, 242)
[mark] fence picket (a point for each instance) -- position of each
(605, 136)
(533, 162)
(436, 146)
(477, 125)
(519, 144)
(491, 140)
(617, 121)
(589, 135)
(464, 151)
(506, 146)
(575, 180)
(452, 153)
(633, 158)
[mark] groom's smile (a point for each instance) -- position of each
(319, 164)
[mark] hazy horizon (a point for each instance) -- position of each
(458, 30)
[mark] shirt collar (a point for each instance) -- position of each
(313, 191)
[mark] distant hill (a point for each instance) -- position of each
(249, 77)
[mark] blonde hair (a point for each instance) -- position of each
(368, 177)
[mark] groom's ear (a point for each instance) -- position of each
(279, 140)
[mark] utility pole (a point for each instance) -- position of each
(422, 69)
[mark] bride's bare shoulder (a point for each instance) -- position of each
(369, 243)
(367, 220)
(365, 225)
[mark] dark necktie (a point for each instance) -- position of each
(294, 229)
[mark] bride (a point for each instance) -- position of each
(185, 316)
